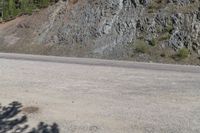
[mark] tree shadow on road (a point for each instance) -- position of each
(11, 120)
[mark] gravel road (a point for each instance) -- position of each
(98, 96)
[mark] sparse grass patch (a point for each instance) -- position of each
(152, 8)
(184, 9)
(164, 36)
(155, 5)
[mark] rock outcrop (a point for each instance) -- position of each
(106, 28)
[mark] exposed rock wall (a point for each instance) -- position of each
(100, 24)
(105, 24)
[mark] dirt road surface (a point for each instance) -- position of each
(98, 96)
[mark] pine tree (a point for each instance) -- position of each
(12, 8)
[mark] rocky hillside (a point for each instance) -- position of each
(143, 30)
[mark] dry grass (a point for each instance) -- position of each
(73, 1)
(156, 5)
(30, 110)
(184, 9)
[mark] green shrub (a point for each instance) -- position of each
(163, 55)
(153, 42)
(169, 28)
(141, 46)
(183, 53)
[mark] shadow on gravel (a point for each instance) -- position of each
(11, 120)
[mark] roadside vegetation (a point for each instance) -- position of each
(153, 50)
(141, 46)
(183, 53)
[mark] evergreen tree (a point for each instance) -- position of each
(12, 8)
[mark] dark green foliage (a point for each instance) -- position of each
(12, 8)
(153, 42)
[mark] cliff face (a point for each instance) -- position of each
(112, 28)
(99, 25)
